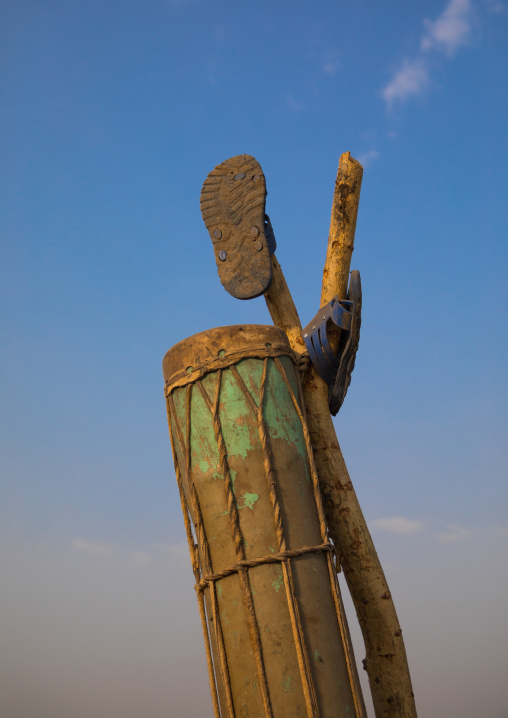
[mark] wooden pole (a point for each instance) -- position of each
(341, 238)
(385, 662)
(282, 308)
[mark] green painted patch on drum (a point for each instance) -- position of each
(238, 421)
(236, 418)
(204, 450)
(250, 500)
(280, 413)
(251, 371)
(279, 580)
(287, 684)
(248, 503)
(318, 659)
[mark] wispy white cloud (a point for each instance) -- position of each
(99, 549)
(398, 525)
(453, 534)
(494, 6)
(450, 30)
(411, 79)
(331, 62)
(294, 104)
(178, 552)
(367, 158)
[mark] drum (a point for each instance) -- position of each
(276, 639)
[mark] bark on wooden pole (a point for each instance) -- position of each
(386, 661)
(282, 308)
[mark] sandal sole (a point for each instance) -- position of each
(233, 209)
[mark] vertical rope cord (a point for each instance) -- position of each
(208, 561)
(209, 659)
(346, 641)
(302, 654)
(308, 445)
(294, 614)
(219, 637)
(269, 470)
(198, 517)
(240, 549)
(224, 467)
(255, 638)
(183, 503)
(252, 622)
(195, 564)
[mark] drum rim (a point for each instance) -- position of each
(220, 347)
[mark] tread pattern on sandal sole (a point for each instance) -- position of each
(233, 209)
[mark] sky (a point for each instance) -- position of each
(112, 115)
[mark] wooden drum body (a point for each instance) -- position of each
(276, 640)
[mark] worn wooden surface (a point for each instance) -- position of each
(385, 661)
(341, 238)
(282, 308)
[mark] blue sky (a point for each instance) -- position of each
(112, 115)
